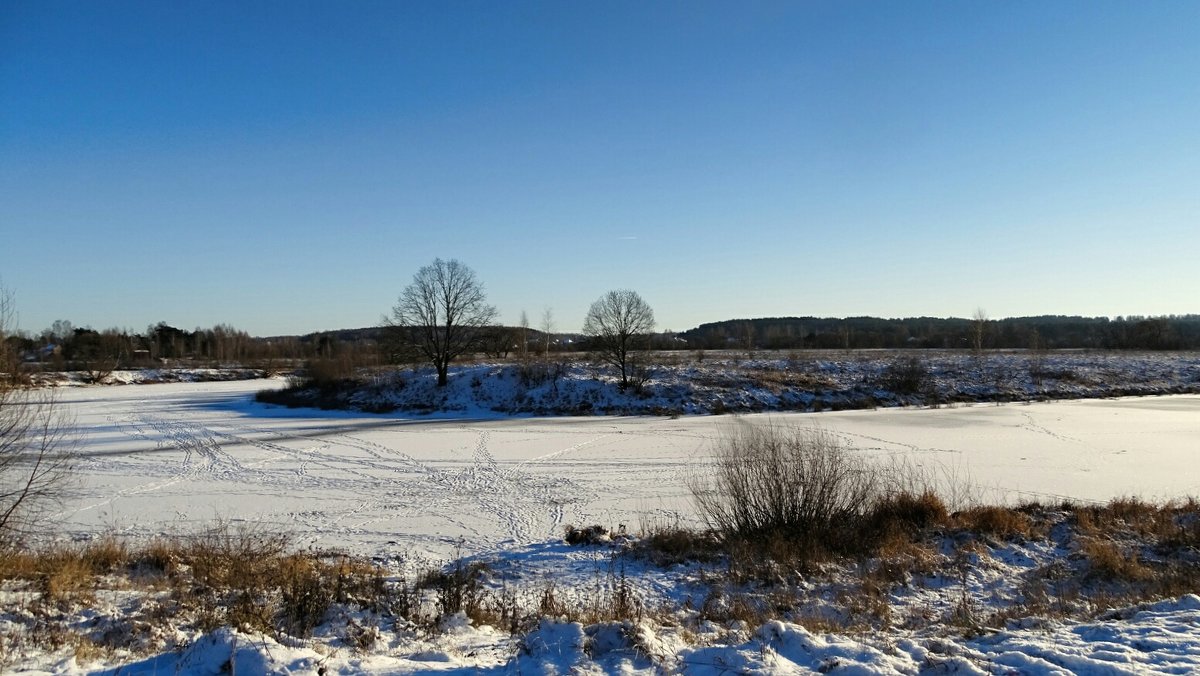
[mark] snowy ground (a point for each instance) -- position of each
(169, 457)
(678, 383)
(1156, 638)
(414, 491)
(143, 376)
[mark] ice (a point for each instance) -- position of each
(415, 491)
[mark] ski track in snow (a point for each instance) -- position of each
(521, 506)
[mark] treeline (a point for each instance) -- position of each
(66, 347)
(1175, 332)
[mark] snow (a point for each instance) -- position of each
(411, 491)
(145, 376)
(169, 457)
(1163, 640)
(678, 383)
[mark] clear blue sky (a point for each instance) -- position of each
(286, 167)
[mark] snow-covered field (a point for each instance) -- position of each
(167, 457)
(414, 491)
(678, 383)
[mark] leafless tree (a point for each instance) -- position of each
(1037, 358)
(547, 328)
(979, 322)
(524, 335)
(35, 457)
(442, 314)
(618, 324)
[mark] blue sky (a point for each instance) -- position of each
(286, 167)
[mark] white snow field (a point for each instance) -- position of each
(415, 491)
(171, 457)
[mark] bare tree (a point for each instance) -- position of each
(1037, 358)
(618, 323)
(978, 330)
(442, 314)
(35, 461)
(547, 328)
(524, 334)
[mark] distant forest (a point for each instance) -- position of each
(1177, 332)
(64, 346)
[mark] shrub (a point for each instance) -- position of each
(802, 485)
(36, 456)
(537, 373)
(327, 374)
(907, 376)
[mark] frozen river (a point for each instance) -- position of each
(174, 457)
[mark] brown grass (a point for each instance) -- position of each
(1128, 551)
(899, 560)
(666, 546)
(1171, 524)
(1110, 562)
(999, 522)
(65, 573)
(220, 577)
(724, 608)
(905, 513)
(778, 380)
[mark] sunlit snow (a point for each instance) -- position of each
(175, 456)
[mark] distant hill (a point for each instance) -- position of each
(370, 333)
(1047, 331)
(1174, 332)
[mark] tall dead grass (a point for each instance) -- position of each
(240, 577)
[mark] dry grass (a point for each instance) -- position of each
(784, 501)
(1110, 562)
(899, 560)
(65, 573)
(18, 564)
(1170, 524)
(719, 606)
(905, 513)
(670, 545)
(795, 377)
(222, 576)
(1124, 552)
(993, 521)
(459, 589)
(887, 532)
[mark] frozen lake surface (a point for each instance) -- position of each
(174, 457)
